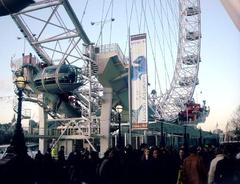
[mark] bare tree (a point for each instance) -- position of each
(234, 123)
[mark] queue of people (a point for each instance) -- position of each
(196, 165)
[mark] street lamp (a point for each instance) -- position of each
(18, 141)
(200, 136)
(24, 41)
(119, 110)
(102, 23)
(162, 141)
(185, 139)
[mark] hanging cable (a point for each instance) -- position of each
(138, 21)
(84, 11)
(110, 39)
(174, 13)
(155, 51)
(171, 28)
(141, 15)
(101, 28)
(128, 27)
(161, 49)
(131, 13)
(103, 21)
(149, 36)
(126, 8)
(166, 37)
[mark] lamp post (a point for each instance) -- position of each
(185, 131)
(102, 23)
(24, 43)
(18, 141)
(185, 139)
(162, 141)
(119, 110)
(200, 136)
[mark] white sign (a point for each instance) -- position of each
(139, 81)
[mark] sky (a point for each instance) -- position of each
(220, 68)
(219, 72)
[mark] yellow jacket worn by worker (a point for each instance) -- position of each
(54, 152)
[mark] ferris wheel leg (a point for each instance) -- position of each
(105, 120)
(42, 129)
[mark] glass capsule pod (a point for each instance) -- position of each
(194, 10)
(188, 81)
(59, 79)
(191, 35)
(190, 59)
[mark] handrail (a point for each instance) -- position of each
(114, 47)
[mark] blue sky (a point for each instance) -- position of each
(219, 70)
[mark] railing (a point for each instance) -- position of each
(37, 132)
(114, 47)
(56, 132)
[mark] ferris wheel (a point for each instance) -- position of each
(64, 35)
(173, 30)
(185, 77)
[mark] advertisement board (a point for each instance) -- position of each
(139, 81)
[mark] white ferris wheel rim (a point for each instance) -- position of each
(175, 99)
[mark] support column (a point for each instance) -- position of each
(105, 120)
(42, 127)
(142, 139)
(115, 140)
(145, 137)
(125, 139)
(136, 138)
(156, 140)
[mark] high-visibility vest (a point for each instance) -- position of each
(54, 152)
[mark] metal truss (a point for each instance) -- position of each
(185, 76)
(53, 30)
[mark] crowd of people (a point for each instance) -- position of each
(195, 165)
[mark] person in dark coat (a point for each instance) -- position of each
(61, 155)
(145, 167)
(91, 165)
(156, 172)
(39, 156)
(227, 169)
(111, 169)
(180, 160)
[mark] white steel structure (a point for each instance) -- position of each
(56, 35)
(185, 76)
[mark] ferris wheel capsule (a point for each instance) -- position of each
(55, 79)
(191, 59)
(191, 35)
(192, 10)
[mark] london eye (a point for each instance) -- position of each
(74, 42)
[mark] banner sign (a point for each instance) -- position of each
(139, 81)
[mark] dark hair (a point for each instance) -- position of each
(192, 149)
(220, 150)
